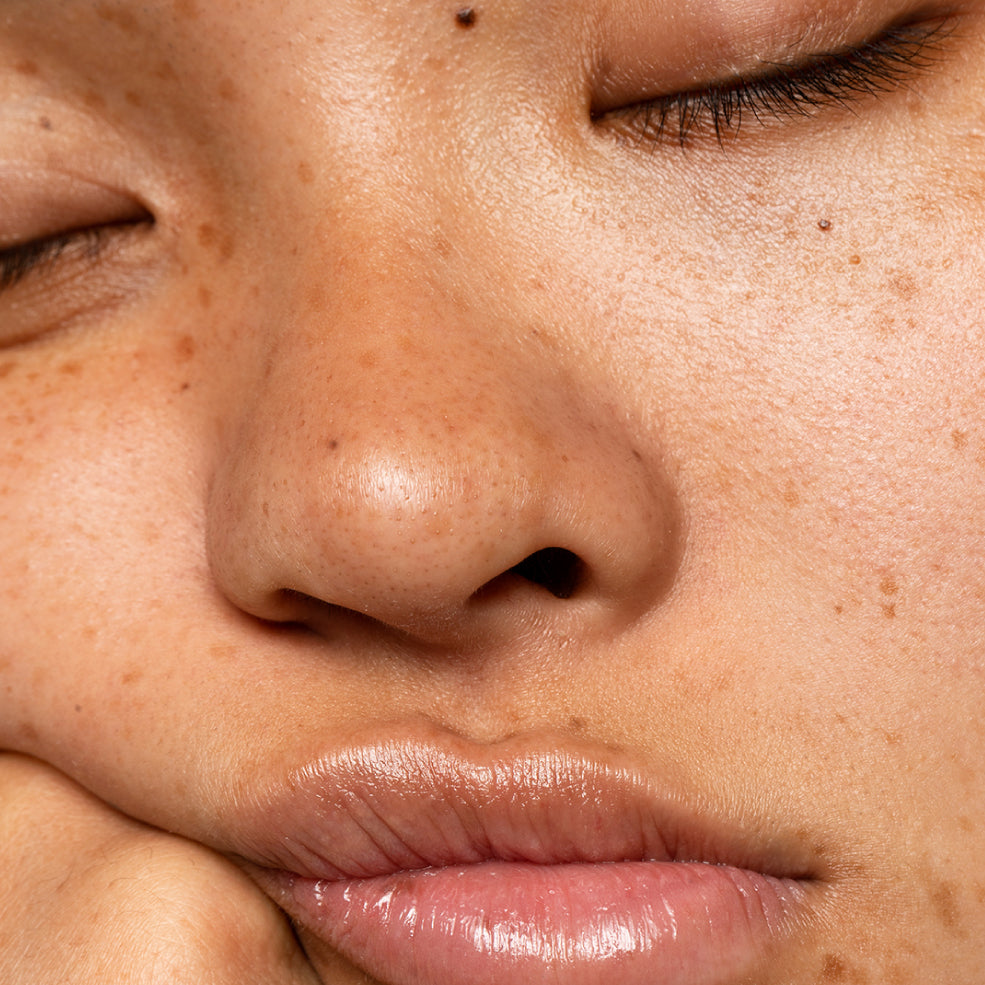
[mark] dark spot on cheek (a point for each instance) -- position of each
(228, 91)
(93, 99)
(78, 707)
(133, 98)
(833, 969)
(185, 9)
(465, 17)
(332, 444)
(185, 348)
(205, 297)
(209, 238)
(959, 439)
(118, 17)
(70, 369)
(45, 123)
(306, 174)
(26, 68)
(6, 369)
(946, 907)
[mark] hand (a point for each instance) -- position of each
(90, 897)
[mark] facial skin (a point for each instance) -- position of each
(407, 313)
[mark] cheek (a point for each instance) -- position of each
(100, 517)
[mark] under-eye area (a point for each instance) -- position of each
(785, 92)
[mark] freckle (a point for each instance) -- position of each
(959, 439)
(833, 968)
(839, 608)
(78, 707)
(165, 72)
(854, 259)
(892, 738)
(790, 495)
(368, 360)
(824, 225)
(227, 91)
(185, 348)
(306, 174)
(185, 387)
(577, 724)
(45, 123)
(888, 585)
(26, 68)
(905, 285)
(131, 677)
(133, 98)
(204, 297)
(946, 906)
(466, 17)
(93, 99)
(6, 369)
(332, 444)
(28, 731)
(206, 235)
(889, 611)
(186, 9)
(70, 369)
(123, 19)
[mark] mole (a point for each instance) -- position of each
(824, 225)
(466, 17)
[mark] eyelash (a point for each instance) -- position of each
(17, 262)
(885, 63)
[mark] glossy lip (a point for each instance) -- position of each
(426, 858)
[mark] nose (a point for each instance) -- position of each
(417, 462)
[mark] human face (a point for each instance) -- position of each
(390, 298)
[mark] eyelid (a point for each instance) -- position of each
(887, 61)
(39, 203)
(659, 50)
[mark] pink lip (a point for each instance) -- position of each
(428, 861)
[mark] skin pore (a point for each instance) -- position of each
(388, 297)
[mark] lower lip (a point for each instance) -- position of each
(635, 923)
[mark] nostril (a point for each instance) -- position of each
(553, 568)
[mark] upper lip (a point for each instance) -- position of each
(423, 798)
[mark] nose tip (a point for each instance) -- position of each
(444, 543)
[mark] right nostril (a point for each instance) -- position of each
(553, 568)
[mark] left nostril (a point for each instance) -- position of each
(554, 568)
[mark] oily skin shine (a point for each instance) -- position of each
(406, 315)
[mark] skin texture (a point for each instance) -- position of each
(407, 313)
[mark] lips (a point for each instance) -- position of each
(428, 860)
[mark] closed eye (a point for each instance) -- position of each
(840, 78)
(26, 259)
